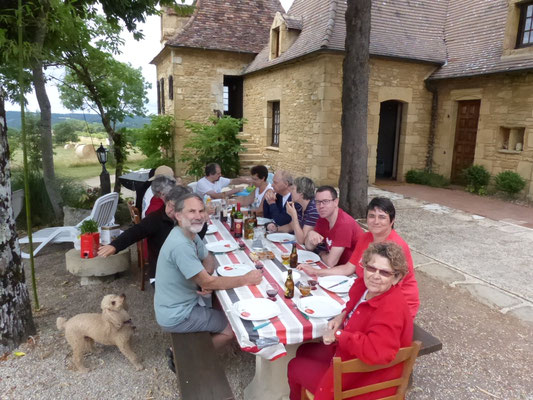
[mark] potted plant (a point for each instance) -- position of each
(89, 238)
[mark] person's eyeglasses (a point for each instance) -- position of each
(323, 202)
(382, 272)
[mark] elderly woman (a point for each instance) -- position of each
(304, 214)
(375, 324)
(161, 186)
(380, 215)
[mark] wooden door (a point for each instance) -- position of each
(465, 137)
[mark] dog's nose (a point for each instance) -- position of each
(123, 295)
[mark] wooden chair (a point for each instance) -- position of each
(407, 355)
(141, 261)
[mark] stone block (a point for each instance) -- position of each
(441, 272)
(524, 313)
(491, 296)
(97, 266)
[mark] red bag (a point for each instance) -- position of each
(89, 244)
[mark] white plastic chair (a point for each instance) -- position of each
(17, 201)
(192, 185)
(103, 213)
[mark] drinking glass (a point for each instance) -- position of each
(285, 257)
(259, 266)
(305, 289)
(271, 292)
(313, 281)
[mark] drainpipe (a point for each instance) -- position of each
(433, 124)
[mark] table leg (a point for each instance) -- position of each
(270, 379)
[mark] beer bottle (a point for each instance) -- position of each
(293, 260)
(249, 226)
(289, 285)
(232, 219)
(238, 222)
(255, 219)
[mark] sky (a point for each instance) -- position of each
(137, 53)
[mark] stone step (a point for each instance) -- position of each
(250, 156)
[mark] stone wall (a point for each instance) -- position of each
(198, 85)
(506, 104)
(310, 91)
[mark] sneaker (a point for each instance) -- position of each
(170, 361)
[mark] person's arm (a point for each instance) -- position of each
(240, 180)
(132, 235)
(313, 239)
(344, 269)
(246, 200)
(209, 263)
(210, 282)
(222, 195)
(332, 257)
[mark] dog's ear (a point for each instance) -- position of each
(113, 317)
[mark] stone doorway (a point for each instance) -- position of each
(233, 96)
(390, 122)
(464, 147)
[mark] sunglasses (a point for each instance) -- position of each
(382, 272)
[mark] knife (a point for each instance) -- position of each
(261, 325)
(339, 283)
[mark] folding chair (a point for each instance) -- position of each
(407, 355)
(103, 213)
(141, 245)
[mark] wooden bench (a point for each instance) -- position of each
(430, 343)
(199, 372)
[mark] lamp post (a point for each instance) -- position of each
(105, 182)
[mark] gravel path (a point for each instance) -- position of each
(486, 355)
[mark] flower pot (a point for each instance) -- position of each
(89, 245)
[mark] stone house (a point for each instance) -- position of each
(451, 82)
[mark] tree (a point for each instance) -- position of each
(155, 141)
(67, 131)
(353, 181)
(15, 306)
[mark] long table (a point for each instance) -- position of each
(291, 327)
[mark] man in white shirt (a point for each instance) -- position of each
(213, 182)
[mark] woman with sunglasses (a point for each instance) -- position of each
(375, 324)
(380, 216)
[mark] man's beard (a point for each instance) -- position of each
(196, 227)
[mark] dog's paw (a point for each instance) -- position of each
(139, 367)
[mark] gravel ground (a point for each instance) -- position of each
(486, 355)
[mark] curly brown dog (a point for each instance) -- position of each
(112, 327)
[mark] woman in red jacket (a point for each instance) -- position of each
(375, 324)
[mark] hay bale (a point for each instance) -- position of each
(85, 151)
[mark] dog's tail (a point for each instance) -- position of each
(60, 322)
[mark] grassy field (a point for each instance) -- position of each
(69, 165)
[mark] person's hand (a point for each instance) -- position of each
(329, 337)
(335, 323)
(253, 278)
(315, 238)
(270, 197)
(107, 250)
(271, 227)
(234, 190)
(308, 269)
(291, 210)
(204, 292)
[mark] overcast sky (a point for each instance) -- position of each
(138, 54)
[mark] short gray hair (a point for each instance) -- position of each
(287, 177)
(179, 203)
(162, 184)
(306, 187)
(176, 193)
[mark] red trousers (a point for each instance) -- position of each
(308, 367)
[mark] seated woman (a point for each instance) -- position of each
(375, 324)
(304, 214)
(161, 185)
(380, 215)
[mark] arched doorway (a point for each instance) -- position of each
(390, 122)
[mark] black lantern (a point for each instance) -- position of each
(105, 182)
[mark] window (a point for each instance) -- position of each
(162, 88)
(275, 123)
(511, 139)
(525, 26)
(158, 97)
(171, 87)
(225, 98)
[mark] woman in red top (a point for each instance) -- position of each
(375, 324)
(380, 215)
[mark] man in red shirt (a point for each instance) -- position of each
(335, 232)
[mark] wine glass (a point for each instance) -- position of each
(259, 266)
(313, 281)
(271, 292)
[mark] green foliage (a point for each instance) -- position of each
(509, 182)
(215, 142)
(33, 139)
(89, 226)
(423, 177)
(477, 179)
(67, 131)
(155, 141)
(13, 139)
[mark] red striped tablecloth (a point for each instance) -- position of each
(291, 326)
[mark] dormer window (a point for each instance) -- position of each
(283, 33)
(525, 26)
(276, 43)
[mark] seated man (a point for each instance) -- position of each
(154, 228)
(259, 175)
(183, 274)
(335, 229)
(213, 182)
(276, 200)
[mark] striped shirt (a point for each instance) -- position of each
(309, 216)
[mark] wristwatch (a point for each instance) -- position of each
(338, 334)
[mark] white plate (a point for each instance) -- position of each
(211, 228)
(328, 281)
(319, 306)
(256, 309)
(263, 221)
(222, 246)
(234, 269)
(280, 237)
(295, 276)
(307, 257)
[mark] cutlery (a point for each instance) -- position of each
(338, 283)
(255, 328)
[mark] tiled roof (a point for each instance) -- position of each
(232, 25)
(411, 29)
(474, 34)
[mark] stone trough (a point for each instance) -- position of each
(98, 269)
